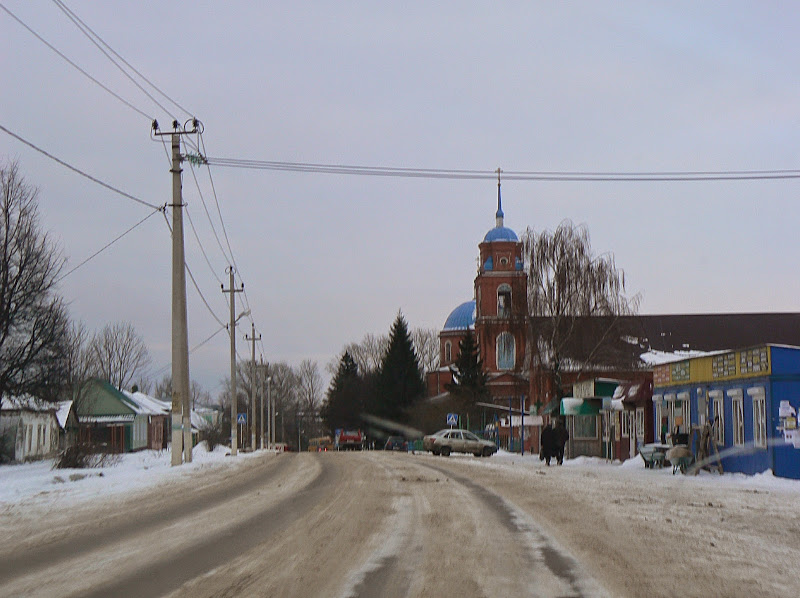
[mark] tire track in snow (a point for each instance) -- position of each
(556, 572)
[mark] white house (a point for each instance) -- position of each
(29, 429)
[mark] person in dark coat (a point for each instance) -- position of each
(560, 437)
(547, 451)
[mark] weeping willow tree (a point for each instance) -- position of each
(576, 304)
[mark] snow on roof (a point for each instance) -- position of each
(143, 404)
(654, 357)
(63, 412)
(27, 403)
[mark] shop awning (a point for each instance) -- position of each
(589, 406)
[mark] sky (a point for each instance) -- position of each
(326, 259)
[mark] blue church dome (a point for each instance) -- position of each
(501, 233)
(462, 317)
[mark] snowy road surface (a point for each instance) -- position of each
(389, 524)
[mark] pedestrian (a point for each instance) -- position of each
(546, 452)
(560, 437)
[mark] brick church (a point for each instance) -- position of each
(496, 315)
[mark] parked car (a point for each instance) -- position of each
(449, 441)
(396, 443)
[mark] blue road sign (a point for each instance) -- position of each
(241, 418)
(452, 419)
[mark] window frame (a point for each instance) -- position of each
(737, 416)
(512, 358)
(759, 397)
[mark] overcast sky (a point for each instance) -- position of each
(544, 86)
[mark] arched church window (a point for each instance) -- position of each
(504, 301)
(448, 352)
(506, 351)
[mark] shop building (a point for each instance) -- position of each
(749, 398)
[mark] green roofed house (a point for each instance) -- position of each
(118, 421)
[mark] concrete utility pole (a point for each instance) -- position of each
(181, 414)
(253, 339)
(232, 330)
(271, 407)
(261, 400)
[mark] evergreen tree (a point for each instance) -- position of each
(344, 404)
(469, 379)
(399, 382)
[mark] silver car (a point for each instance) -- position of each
(449, 441)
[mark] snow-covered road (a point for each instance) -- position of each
(390, 524)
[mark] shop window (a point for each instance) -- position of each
(504, 301)
(585, 427)
(759, 416)
(505, 351)
(737, 417)
(718, 416)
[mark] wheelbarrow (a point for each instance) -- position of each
(652, 455)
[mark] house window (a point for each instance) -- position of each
(718, 416)
(759, 416)
(505, 351)
(448, 352)
(504, 301)
(640, 423)
(737, 419)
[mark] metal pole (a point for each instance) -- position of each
(180, 340)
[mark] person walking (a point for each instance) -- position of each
(547, 450)
(560, 437)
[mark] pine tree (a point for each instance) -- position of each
(345, 402)
(399, 382)
(469, 379)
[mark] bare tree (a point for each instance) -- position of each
(575, 301)
(120, 353)
(34, 325)
(310, 386)
(367, 354)
(198, 395)
(426, 343)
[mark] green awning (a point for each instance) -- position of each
(570, 406)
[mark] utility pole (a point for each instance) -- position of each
(261, 377)
(181, 408)
(232, 330)
(253, 339)
(271, 407)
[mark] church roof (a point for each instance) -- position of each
(462, 317)
(501, 233)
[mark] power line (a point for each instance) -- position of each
(78, 171)
(208, 214)
(192, 350)
(107, 245)
(194, 282)
(83, 72)
(83, 29)
(222, 222)
(95, 38)
(518, 175)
